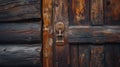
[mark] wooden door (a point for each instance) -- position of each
(81, 33)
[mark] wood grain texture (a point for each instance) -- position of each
(25, 32)
(79, 55)
(112, 55)
(112, 12)
(84, 55)
(79, 12)
(97, 56)
(19, 55)
(74, 55)
(94, 34)
(97, 12)
(19, 9)
(47, 33)
(60, 14)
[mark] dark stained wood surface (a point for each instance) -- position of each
(94, 34)
(25, 32)
(13, 55)
(112, 55)
(97, 55)
(20, 33)
(61, 54)
(96, 12)
(19, 9)
(79, 55)
(112, 12)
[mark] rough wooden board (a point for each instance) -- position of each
(47, 33)
(79, 12)
(25, 32)
(19, 9)
(112, 55)
(20, 55)
(112, 12)
(94, 34)
(74, 55)
(60, 14)
(97, 56)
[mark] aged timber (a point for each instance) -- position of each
(47, 33)
(19, 9)
(20, 33)
(13, 55)
(60, 14)
(25, 32)
(94, 34)
(112, 12)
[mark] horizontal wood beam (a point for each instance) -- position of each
(19, 9)
(14, 55)
(25, 32)
(94, 34)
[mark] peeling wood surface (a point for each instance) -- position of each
(26, 32)
(19, 9)
(19, 55)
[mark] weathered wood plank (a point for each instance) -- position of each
(84, 55)
(79, 12)
(20, 55)
(112, 12)
(94, 34)
(60, 14)
(20, 32)
(74, 55)
(97, 56)
(19, 9)
(47, 33)
(109, 52)
(112, 55)
(97, 12)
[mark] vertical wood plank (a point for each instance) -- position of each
(112, 12)
(79, 12)
(84, 56)
(109, 56)
(74, 55)
(60, 14)
(47, 34)
(97, 12)
(97, 56)
(112, 55)
(116, 55)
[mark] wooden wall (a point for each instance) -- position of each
(20, 33)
